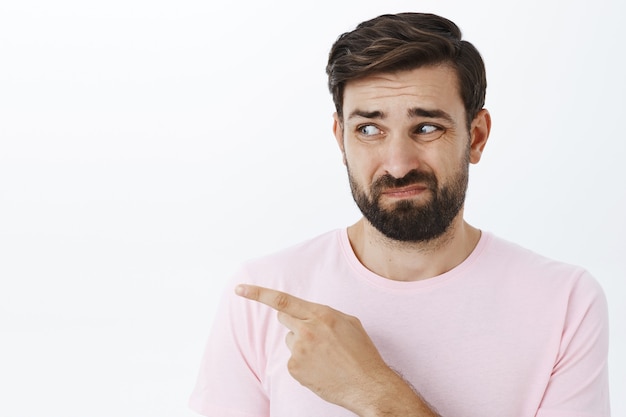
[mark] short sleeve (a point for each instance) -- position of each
(229, 381)
(578, 386)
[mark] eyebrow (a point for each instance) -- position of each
(376, 114)
(431, 114)
(413, 112)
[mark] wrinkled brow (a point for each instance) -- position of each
(431, 114)
(376, 114)
(412, 112)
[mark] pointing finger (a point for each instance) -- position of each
(278, 300)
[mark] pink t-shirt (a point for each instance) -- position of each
(507, 333)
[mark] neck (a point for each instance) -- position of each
(412, 261)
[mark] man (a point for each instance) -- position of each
(410, 311)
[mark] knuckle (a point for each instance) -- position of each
(330, 320)
(307, 334)
(327, 316)
(281, 301)
(300, 350)
(292, 367)
(354, 321)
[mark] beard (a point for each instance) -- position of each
(411, 221)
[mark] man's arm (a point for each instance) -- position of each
(332, 355)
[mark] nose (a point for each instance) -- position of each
(401, 156)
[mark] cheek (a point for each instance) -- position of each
(362, 167)
(448, 166)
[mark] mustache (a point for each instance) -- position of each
(412, 177)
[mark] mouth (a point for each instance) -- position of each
(408, 191)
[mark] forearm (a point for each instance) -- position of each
(392, 396)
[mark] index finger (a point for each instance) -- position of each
(278, 300)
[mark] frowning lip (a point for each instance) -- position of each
(404, 192)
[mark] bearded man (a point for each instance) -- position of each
(410, 311)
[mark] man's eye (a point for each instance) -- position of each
(369, 130)
(427, 132)
(426, 129)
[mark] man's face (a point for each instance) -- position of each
(407, 148)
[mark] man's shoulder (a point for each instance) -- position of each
(520, 260)
(513, 251)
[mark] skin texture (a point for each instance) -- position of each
(394, 123)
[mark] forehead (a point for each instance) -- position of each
(431, 87)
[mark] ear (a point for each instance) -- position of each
(338, 132)
(479, 133)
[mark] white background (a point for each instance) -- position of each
(149, 147)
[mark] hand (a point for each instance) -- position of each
(332, 355)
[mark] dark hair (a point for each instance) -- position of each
(406, 41)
